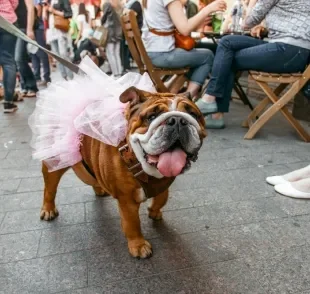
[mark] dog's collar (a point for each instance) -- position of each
(151, 185)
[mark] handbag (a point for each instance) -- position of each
(100, 37)
(184, 42)
(61, 23)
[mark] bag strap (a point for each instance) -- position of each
(7, 26)
(155, 31)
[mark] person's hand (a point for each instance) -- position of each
(76, 42)
(257, 31)
(30, 34)
(207, 21)
(51, 9)
(218, 5)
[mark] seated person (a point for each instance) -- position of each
(287, 51)
(161, 18)
(87, 47)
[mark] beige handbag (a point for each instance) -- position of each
(100, 37)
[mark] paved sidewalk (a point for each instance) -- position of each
(224, 229)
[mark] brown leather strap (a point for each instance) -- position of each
(84, 175)
(162, 34)
(151, 186)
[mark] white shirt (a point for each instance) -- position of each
(156, 16)
(87, 30)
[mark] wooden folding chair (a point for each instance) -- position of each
(139, 54)
(279, 103)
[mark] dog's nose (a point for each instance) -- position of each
(174, 121)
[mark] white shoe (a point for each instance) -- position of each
(276, 180)
(287, 189)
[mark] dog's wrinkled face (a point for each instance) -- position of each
(165, 131)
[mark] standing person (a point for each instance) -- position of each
(134, 5)
(25, 20)
(40, 56)
(83, 23)
(111, 20)
(59, 39)
(73, 33)
(7, 48)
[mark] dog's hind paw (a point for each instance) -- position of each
(155, 214)
(143, 250)
(48, 215)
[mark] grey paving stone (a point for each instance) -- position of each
(88, 290)
(45, 275)
(220, 164)
(37, 183)
(101, 208)
(285, 272)
(3, 154)
(30, 200)
(28, 220)
(80, 237)
(14, 247)
(223, 215)
(19, 173)
(9, 186)
(221, 278)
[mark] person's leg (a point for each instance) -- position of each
(36, 66)
(22, 61)
(43, 57)
(198, 60)
(7, 50)
(222, 71)
(117, 55)
(111, 58)
(55, 49)
(63, 51)
(268, 57)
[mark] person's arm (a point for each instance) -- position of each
(259, 12)
(30, 18)
(106, 10)
(184, 25)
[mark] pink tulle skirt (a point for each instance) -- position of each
(86, 105)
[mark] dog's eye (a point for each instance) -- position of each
(151, 117)
(193, 114)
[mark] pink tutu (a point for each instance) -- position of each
(86, 105)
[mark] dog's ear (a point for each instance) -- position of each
(132, 95)
(188, 95)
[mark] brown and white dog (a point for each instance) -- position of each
(165, 133)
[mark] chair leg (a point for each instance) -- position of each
(279, 105)
(177, 84)
(262, 105)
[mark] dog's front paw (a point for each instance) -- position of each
(155, 214)
(100, 192)
(140, 249)
(48, 212)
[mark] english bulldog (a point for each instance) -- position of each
(165, 134)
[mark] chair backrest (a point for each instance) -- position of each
(136, 47)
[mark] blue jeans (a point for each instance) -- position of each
(39, 57)
(7, 48)
(22, 61)
(239, 53)
(198, 60)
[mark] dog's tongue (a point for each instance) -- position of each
(171, 163)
